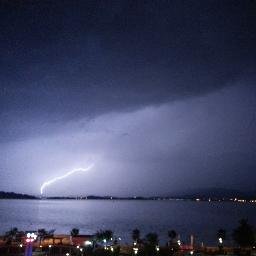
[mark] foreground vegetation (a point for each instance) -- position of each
(104, 243)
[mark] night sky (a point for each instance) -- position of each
(159, 95)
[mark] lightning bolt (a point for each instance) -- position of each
(49, 182)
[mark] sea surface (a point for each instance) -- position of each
(202, 219)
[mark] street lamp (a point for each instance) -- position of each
(135, 250)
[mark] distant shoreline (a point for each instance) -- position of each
(12, 195)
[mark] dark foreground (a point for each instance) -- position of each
(64, 246)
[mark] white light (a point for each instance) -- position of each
(135, 250)
(112, 249)
(88, 243)
(157, 248)
(49, 182)
(81, 249)
(77, 246)
(104, 240)
(67, 254)
(50, 245)
(191, 252)
(220, 240)
(179, 242)
(21, 245)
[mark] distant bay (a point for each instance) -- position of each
(202, 219)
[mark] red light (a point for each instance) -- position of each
(28, 240)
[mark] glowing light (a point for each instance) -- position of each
(135, 250)
(220, 240)
(88, 243)
(31, 237)
(49, 182)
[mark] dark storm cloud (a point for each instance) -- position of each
(61, 58)
(66, 65)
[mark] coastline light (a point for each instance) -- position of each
(88, 243)
(135, 250)
(31, 237)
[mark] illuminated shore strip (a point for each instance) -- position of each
(48, 183)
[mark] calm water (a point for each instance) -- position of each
(202, 219)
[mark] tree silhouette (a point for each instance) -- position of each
(10, 235)
(172, 235)
(243, 235)
(152, 238)
(151, 243)
(74, 232)
(41, 234)
(104, 234)
(136, 235)
(108, 234)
